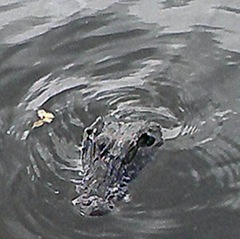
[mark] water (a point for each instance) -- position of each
(172, 62)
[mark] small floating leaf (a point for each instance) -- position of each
(47, 120)
(44, 117)
(37, 124)
(41, 113)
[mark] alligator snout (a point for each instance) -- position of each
(110, 162)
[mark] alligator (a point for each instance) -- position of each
(112, 154)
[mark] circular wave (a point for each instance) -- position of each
(53, 167)
(151, 80)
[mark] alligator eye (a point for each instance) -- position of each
(146, 140)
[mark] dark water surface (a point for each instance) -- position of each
(172, 62)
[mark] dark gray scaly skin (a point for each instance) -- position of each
(112, 154)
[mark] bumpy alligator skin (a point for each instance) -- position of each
(112, 154)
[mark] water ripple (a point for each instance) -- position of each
(175, 73)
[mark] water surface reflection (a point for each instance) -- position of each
(172, 62)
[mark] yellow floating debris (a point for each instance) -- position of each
(37, 123)
(44, 117)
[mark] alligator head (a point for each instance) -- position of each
(112, 154)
